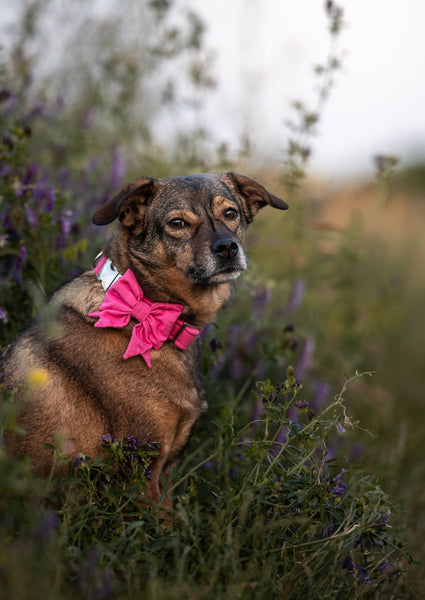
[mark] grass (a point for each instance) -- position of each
(260, 509)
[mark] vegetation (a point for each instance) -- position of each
(281, 492)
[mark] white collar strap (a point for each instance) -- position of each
(107, 274)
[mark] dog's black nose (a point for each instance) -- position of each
(225, 247)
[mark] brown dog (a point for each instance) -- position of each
(179, 242)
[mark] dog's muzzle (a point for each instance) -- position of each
(225, 248)
(225, 262)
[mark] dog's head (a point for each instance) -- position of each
(194, 224)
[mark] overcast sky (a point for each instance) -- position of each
(265, 53)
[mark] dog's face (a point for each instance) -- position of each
(193, 224)
(201, 229)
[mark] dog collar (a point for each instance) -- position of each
(158, 322)
(106, 273)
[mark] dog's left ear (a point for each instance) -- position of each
(126, 205)
(254, 194)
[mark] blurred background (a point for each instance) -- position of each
(322, 102)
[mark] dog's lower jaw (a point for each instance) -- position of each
(219, 277)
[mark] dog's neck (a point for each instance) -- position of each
(168, 284)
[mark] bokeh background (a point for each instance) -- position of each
(322, 103)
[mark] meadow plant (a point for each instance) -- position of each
(303, 125)
(44, 218)
(259, 509)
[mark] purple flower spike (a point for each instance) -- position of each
(31, 217)
(260, 300)
(19, 263)
(339, 485)
(46, 527)
(118, 167)
(108, 440)
(296, 297)
(79, 461)
(305, 359)
(131, 442)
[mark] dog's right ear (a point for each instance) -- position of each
(126, 205)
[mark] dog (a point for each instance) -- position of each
(116, 349)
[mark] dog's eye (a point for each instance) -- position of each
(177, 224)
(231, 214)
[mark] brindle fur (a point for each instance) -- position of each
(87, 389)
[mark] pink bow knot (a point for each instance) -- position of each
(157, 321)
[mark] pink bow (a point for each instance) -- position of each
(157, 320)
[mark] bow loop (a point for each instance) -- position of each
(123, 300)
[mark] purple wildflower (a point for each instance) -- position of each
(79, 461)
(5, 95)
(45, 528)
(339, 486)
(7, 142)
(305, 359)
(356, 451)
(153, 446)
(108, 440)
(251, 344)
(87, 570)
(88, 118)
(31, 216)
(215, 345)
(18, 190)
(38, 111)
(44, 196)
(385, 517)
(340, 429)
(10, 100)
(118, 167)
(348, 564)
(321, 392)
(260, 300)
(237, 367)
(292, 343)
(205, 331)
(328, 531)
(3, 316)
(353, 567)
(384, 565)
(280, 439)
(91, 165)
(63, 178)
(65, 227)
(30, 175)
(302, 405)
(295, 425)
(258, 410)
(363, 575)
(296, 296)
(131, 443)
(19, 263)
